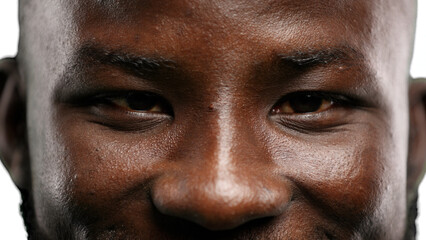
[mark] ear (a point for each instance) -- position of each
(417, 141)
(13, 141)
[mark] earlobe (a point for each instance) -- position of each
(417, 144)
(13, 142)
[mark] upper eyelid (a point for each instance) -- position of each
(98, 98)
(116, 95)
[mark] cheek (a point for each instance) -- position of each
(90, 173)
(343, 173)
(110, 168)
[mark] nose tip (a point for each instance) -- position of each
(221, 204)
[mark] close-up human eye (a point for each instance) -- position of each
(300, 103)
(314, 110)
(304, 102)
(138, 102)
(128, 110)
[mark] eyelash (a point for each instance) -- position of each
(115, 98)
(112, 109)
(120, 99)
(113, 113)
(325, 120)
(335, 99)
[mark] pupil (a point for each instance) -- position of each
(141, 102)
(305, 103)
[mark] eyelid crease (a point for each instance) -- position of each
(89, 97)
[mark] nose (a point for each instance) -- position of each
(221, 204)
(221, 185)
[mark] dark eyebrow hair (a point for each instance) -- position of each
(343, 55)
(138, 65)
(143, 66)
(158, 68)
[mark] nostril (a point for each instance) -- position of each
(213, 208)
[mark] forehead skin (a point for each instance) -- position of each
(231, 63)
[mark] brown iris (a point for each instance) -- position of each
(303, 103)
(140, 102)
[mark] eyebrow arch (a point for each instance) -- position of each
(139, 65)
(344, 55)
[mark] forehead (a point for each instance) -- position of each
(291, 22)
(244, 10)
(360, 16)
(222, 29)
(286, 20)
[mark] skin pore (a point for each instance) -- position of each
(214, 119)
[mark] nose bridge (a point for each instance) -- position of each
(230, 129)
(219, 160)
(226, 138)
(228, 142)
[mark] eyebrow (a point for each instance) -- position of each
(341, 55)
(139, 65)
(154, 68)
(158, 68)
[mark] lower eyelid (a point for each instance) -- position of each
(307, 127)
(123, 112)
(134, 126)
(126, 120)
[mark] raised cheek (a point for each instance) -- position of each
(108, 168)
(338, 172)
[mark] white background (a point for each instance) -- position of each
(11, 225)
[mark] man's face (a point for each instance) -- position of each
(218, 119)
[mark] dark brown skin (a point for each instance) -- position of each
(227, 148)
